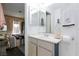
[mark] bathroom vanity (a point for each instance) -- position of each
(43, 45)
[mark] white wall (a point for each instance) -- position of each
(68, 48)
(66, 11)
(27, 18)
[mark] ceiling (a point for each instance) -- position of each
(14, 9)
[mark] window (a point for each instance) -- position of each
(16, 27)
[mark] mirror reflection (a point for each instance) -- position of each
(40, 20)
(37, 21)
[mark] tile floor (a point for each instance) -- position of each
(9, 52)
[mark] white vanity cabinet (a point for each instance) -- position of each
(39, 47)
(45, 48)
(32, 47)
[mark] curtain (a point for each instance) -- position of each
(9, 23)
(2, 19)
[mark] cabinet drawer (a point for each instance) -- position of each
(46, 45)
(43, 52)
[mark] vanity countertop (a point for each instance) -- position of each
(45, 37)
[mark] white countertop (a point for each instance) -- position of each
(46, 37)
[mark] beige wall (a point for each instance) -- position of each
(9, 22)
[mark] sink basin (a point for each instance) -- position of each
(45, 34)
(46, 37)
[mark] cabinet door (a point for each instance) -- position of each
(45, 48)
(43, 52)
(32, 49)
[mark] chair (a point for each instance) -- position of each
(12, 41)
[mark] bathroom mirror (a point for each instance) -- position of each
(37, 21)
(40, 20)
